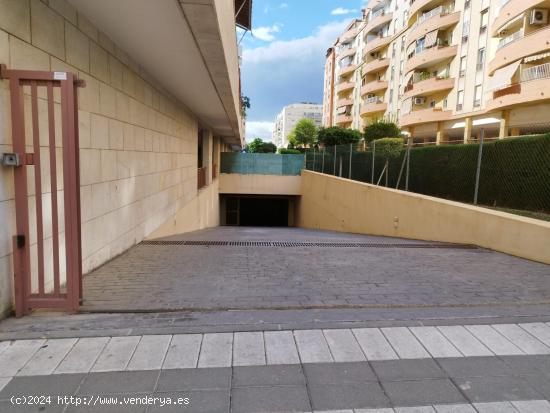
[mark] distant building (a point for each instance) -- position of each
(290, 115)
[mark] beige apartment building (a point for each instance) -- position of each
(443, 69)
(289, 117)
(158, 98)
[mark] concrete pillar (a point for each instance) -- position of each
(468, 130)
(439, 137)
(504, 124)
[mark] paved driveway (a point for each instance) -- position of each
(355, 271)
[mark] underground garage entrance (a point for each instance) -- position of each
(257, 210)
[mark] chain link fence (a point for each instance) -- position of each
(511, 174)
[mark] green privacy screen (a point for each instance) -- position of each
(261, 163)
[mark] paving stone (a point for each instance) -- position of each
(475, 367)
(339, 373)
(268, 375)
(454, 408)
(417, 409)
(200, 401)
(150, 353)
(538, 330)
(280, 347)
(374, 344)
(465, 341)
(55, 385)
(422, 392)
(527, 365)
(248, 349)
(404, 343)
(435, 342)
(522, 339)
(119, 382)
(4, 381)
(312, 346)
(216, 350)
(14, 357)
(497, 343)
(47, 357)
(112, 405)
(496, 388)
(7, 406)
(342, 396)
(194, 379)
(116, 354)
(394, 370)
(82, 356)
(541, 384)
(183, 352)
(270, 399)
(343, 345)
(501, 407)
(389, 410)
(532, 406)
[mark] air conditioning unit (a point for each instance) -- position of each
(539, 16)
(419, 101)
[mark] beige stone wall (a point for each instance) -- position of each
(260, 184)
(332, 203)
(138, 144)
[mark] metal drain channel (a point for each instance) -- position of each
(292, 244)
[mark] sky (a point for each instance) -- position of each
(284, 56)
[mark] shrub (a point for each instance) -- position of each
(284, 151)
(259, 146)
(381, 129)
(337, 136)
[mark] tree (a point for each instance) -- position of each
(245, 105)
(303, 134)
(259, 146)
(388, 148)
(337, 136)
(381, 129)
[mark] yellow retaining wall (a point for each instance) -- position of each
(337, 204)
(259, 184)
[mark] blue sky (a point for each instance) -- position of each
(284, 57)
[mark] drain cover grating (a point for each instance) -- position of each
(292, 244)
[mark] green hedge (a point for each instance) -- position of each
(515, 173)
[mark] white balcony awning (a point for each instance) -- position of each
(539, 56)
(406, 106)
(431, 38)
(503, 77)
(411, 48)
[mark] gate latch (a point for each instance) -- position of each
(11, 159)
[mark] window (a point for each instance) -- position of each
(480, 58)
(484, 21)
(477, 96)
(460, 100)
(394, 47)
(462, 66)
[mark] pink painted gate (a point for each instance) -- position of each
(47, 257)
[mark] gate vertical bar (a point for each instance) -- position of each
(21, 248)
(53, 189)
(70, 180)
(37, 188)
(478, 169)
(313, 159)
(77, 176)
(350, 158)
(334, 169)
(323, 162)
(373, 155)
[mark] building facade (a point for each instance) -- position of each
(442, 69)
(290, 115)
(160, 101)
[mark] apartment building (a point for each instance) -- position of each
(290, 115)
(442, 69)
(116, 113)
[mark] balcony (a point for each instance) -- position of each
(511, 9)
(344, 102)
(430, 57)
(518, 46)
(379, 20)
(425, 116)
(428, 87)
(441, 19)
(375, 65)
(344, 87)
(347, 52)
(418, 5)
(532, 88)
(376, 44)
(374, 86)
(373, 105)
(349, 35)
(347, 70)
(343, 119)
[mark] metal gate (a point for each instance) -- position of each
(47, 248)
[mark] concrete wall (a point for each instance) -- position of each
(337, 204)
(260, 184)
(138, 143)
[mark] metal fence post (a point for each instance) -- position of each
(408, 163)
(323, 162)
(334, 169)
(478, 170)
(313, 159)
(373, 155)
(350, 157)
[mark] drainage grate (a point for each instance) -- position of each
(292, 244)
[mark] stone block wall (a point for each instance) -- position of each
(138, 143)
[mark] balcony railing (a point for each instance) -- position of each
(432, 13)
(201, 177)
(535, 72)
(373, 99)
(510, 39)
(377, 13)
